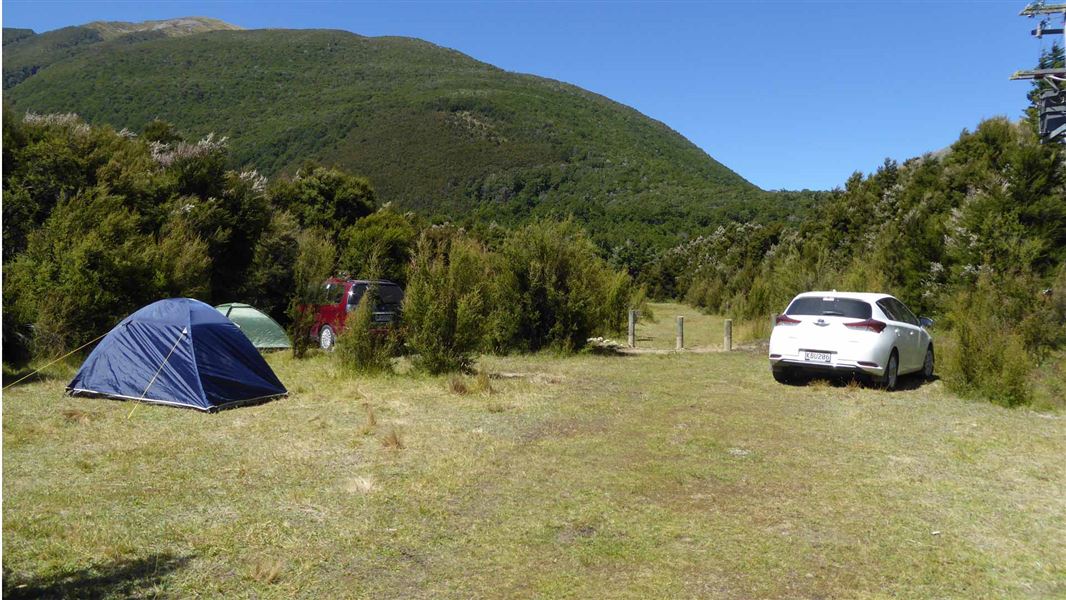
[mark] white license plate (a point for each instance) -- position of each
(822, 357)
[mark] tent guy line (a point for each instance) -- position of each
(184, 330)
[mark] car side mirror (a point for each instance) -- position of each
(925, 322)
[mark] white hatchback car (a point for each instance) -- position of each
(872, 335)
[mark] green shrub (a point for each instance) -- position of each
(566, 293)
(988, 357)
(447, 302)
(84, 269)
(362, 347)
(269, 281)
(324, 197)
(314, 263)
(380, 242)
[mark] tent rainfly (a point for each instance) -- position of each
(264, 332)
(180, 352)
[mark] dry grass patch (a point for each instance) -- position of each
(267, 570)
(362, 485)
(392, 440)
(457, 385)
(478, 384)
(75, 415)
(371, 420)
(689, 475)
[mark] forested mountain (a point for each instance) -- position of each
(434, 130)
(26, 52)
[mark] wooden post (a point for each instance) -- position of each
(632, 329)
(773, 320)
(680, 332)
(727, 343)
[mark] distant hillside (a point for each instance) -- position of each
(26, 52)
(435, 130)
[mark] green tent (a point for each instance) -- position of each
(264, 332)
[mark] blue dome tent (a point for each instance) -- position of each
(180, 352)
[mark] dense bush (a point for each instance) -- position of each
(989, 356)
(565, 292)
(545, 288)
(380, 242)
(269, 282)
(98, 223)
(315, 258)
(449, 297)
(363, 347)
(324, 197)
(89, 265)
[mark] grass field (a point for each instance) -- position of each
(657, 475)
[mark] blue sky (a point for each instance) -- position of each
(790, 95)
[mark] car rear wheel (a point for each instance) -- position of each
(891, 375)
(782, 376)
(326, 338)
(927, 366)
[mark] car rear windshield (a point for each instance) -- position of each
(390, 296)
(830, 306)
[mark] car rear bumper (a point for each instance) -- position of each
(838, 367)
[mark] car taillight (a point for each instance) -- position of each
(869, 324)
(785, 320)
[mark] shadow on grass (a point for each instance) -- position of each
(12, 375)
(120, 579)
(905, 383)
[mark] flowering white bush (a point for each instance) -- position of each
(167, 155)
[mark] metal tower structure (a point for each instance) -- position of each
(1051, 103)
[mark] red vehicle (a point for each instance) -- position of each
(342, 296)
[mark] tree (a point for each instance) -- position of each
(324, 197)
(269, 280)
(384, 239)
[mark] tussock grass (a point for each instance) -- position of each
(679, 475)
(371, 420)
(478, 384)
(457, 385)
(392, 440)
(482, 383)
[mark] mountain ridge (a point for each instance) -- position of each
(434, 129)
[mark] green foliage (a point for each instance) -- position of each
(565, 292)
(86, 265)
(363, 347)
(447, 303)
(268, 284)
(314, 262)
(323, 197)
(98, 223)
(184, 263)
(989, 357)
(158, 130)
(381, 241)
